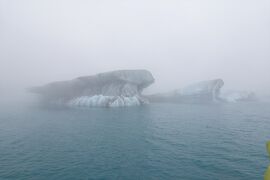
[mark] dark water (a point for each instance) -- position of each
(161, 141)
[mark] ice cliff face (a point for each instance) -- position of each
(205, 91)
(107, 101)
(110, 89)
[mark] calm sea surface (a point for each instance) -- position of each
(158, 141)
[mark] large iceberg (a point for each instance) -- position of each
(110, 89)
(205, 91)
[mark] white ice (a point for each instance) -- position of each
(106, 101)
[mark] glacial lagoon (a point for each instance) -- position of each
(154, 141)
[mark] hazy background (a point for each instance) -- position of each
(179, 41)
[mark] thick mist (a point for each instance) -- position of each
(180, 42)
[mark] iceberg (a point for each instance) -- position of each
(111, 89)
(123, 88)
(201, 92)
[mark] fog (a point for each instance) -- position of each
(180, 42)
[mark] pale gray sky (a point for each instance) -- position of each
(179, 41)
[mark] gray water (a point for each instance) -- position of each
(158, 141)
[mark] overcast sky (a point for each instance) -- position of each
(179, 41)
